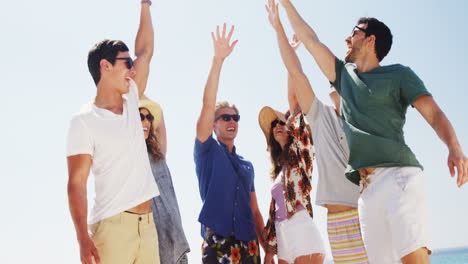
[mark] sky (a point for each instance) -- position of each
(46, 80)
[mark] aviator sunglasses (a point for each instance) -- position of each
(227, 117)
(150, 117)
(128, 61)
(356, 28)
(276, 121)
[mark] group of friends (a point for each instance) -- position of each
(369, 180)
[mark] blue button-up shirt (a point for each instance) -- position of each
(225, 181)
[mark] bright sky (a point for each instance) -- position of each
(45, 80)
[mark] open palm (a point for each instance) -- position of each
(273, 15)
(221, 42)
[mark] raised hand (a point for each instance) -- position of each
(221, 42)
(295, 42)
(273, 15)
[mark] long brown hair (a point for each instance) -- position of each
(152, 142)
(278, 155)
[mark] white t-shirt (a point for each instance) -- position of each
(120, 164)
(332, 154)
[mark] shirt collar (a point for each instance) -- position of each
(226, 147)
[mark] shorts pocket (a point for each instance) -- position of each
(405, 177)
(93, 228)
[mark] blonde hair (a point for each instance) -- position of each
(225, 104)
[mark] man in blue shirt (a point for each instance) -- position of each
(230, 218)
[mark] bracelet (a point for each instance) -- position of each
(146, 2)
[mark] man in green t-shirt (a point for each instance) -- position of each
(375, 98)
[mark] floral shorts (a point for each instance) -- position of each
(217, 249)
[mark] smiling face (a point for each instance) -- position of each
(355, 44)
(120, 74)
(225, 130)
(280, 132)
(145, 122)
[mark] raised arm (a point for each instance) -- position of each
(299, 89)
(429, 109)
(322, 55)
(144, 47)
(78, 172)
(222, 49)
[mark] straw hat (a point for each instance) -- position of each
(154, 109)
(265, 117)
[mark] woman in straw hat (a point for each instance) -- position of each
(173, 245)
(290, 230)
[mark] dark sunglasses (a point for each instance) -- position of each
(276, 121)
(356, 28)
(128, 61)
(150, 117)
(227, 117)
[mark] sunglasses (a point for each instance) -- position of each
(150, 117)
(227, 117)
(356, 28)
(275, 122)
(128, 61)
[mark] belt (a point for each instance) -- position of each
(364, 174)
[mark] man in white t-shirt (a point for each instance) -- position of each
(106, 136)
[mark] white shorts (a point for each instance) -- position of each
(392, 212)
(298, 236)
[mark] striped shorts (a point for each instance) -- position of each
(344, 233)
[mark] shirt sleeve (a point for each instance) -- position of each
(79, 140)
(132, 96)
(297, 126)
(412, 87)
(201, 149)
(314, 115)
(302, 143)
(339, 65)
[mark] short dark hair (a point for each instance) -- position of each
(383, 35)
(105, 49)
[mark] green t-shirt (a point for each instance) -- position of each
(373, 106)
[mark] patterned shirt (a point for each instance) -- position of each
(297, 176)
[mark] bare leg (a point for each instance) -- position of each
(419, 256)
(317, 258)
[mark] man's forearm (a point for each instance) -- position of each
(206, 119)
(444, 130)
(78, 204)
(299, 89)
(212, 83)
(322, 55)
(259, 227)
(289, 56)
(144, 43)
(305, 33)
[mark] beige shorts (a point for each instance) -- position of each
(126, 238)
